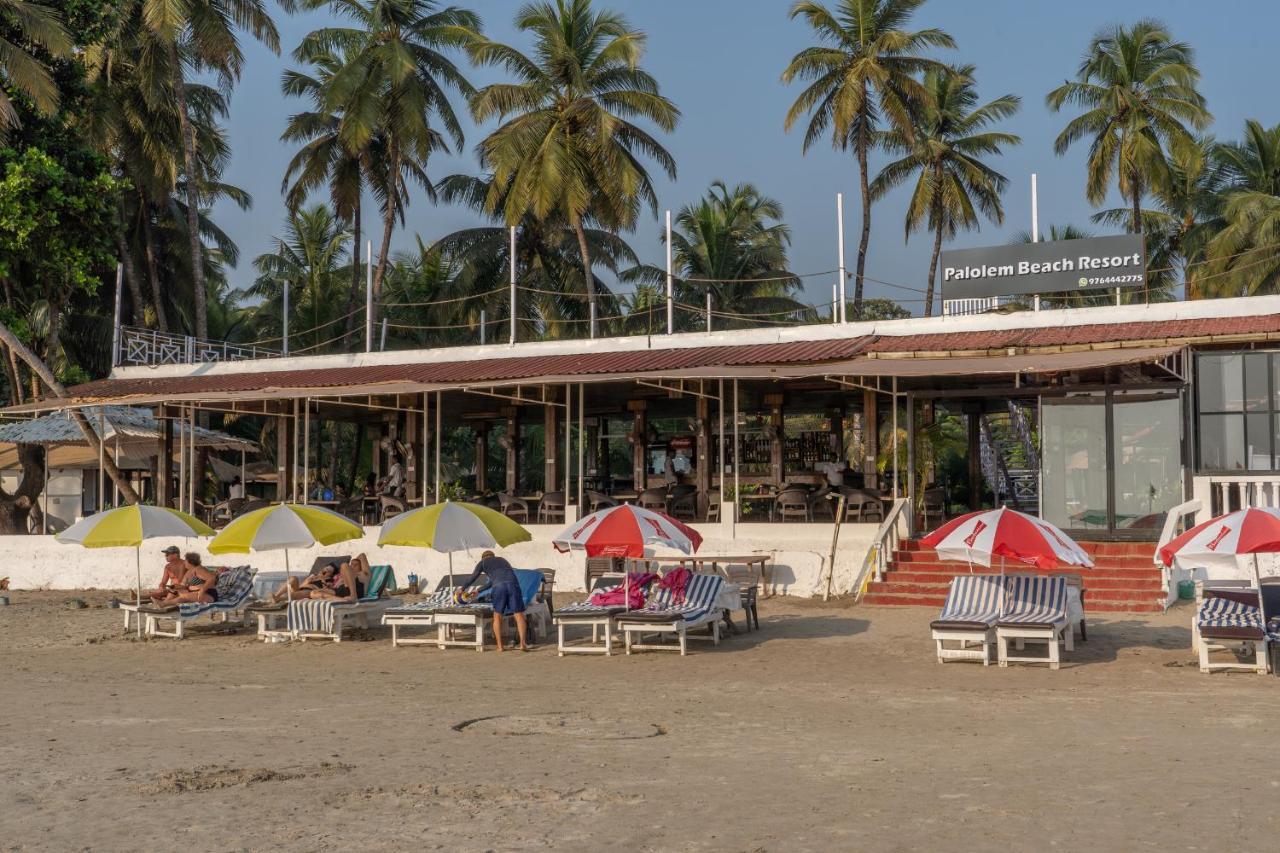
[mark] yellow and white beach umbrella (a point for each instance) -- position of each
(128, 526)
(450, 527)
(284, 526)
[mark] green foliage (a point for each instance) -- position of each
(54, 222)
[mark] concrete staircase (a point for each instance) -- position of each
(1123, 580)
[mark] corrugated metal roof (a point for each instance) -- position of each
(120, 422)
(1031, 362)
(743, 360)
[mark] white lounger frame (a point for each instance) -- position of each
(1054, 636)
(604, 622)
(966, 637)
(360, 611)
(1205, 645)
(679, 627)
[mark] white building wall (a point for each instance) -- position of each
(800, 554)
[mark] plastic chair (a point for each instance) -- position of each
(713, 505)
(551, 507)
(793, 503)
(654, 499)
(683, 503)
(597, 501)
(391, 507)
(513, 507)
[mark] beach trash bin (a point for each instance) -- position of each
(1186, 590)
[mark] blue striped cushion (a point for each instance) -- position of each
(1034, 600)
(1225, 613)
(311, 616)
(430, 604)
(972, 598)
(586, 608)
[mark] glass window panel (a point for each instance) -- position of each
(1257, 439)
(1221, 383)
(1257, 395)
(1074, 460)
(1148, 460)
(1221, 442)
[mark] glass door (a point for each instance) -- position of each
(1073, 483)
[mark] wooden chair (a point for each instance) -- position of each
(551, 508)
(513, 507)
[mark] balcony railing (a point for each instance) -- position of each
(150, 347)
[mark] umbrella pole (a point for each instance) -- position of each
(137, 563)
(1257, 581)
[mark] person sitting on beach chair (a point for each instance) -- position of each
(321, 578)
(198, 584)
(175, 569)
(349, 583)
(506, 597)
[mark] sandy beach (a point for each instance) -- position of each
(831, 728)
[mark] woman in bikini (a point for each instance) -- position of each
(198, 584)
(320, 579)
(350, 583)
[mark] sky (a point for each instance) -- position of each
(720, 61)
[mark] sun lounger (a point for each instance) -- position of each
(1230, 620)
(1035, 610)
(969, 618)
(448, 616)
(234, 587)
(319, 618)
(664, 615)
(583, 614)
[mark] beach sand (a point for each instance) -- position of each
(832, 728)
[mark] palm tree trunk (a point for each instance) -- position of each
(863, 242)
(131, 278)
(586, 273)
(933, 271)
(380, 271)
(1135, 225)
(193, 192)
(38, 368)
(153, 268)
(354, 293)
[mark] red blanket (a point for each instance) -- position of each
(630, 594)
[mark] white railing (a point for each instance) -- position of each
(1222, 493)
(1173, 525)
(888, 536)
(150, 347)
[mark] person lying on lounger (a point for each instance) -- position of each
(197, 584)
(350, 582)
(506, 596)
(320, 579)
(175, 569)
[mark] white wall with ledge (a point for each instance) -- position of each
(800, 553)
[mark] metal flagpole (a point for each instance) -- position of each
(368, 298)
(512, 253)
(737, 494)
(482, 325)
(1035, 227)
(426, 442)
(708, 308)
(293, 457)
(720, 460)
(382, 341)
(671, 311)
(284, 317)
(840, 246)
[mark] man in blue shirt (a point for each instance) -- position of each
(507, 599)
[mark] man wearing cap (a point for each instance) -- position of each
(174, 570)
(507, 599)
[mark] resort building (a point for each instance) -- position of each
(1103, 420)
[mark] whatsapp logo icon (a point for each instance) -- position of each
(1083, 281)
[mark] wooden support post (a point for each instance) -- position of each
(552, 445)
(640, 449)
(412, 433)
(283, 468)
(703, 463)
(482, 454)
(164, 477)
(870, 438)
(513, 448)
(974, 411)
(777, 470)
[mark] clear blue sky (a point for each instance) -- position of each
(720, 61)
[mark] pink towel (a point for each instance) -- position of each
(676, 580)
(631, 594)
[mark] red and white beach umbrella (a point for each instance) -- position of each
(1255, 530)
(624, 531)
(978, 536)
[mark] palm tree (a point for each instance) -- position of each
(861, 76)
(733, 245)
(323, 159)
(943, 150)
(309, 260)
(391, 85)
(201, 35)
(1244, 256)
(28, 24)
(1138, 90)
(567, 148)
(547, 254)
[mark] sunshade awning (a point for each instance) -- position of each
(1033, 362)
(123, 424)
